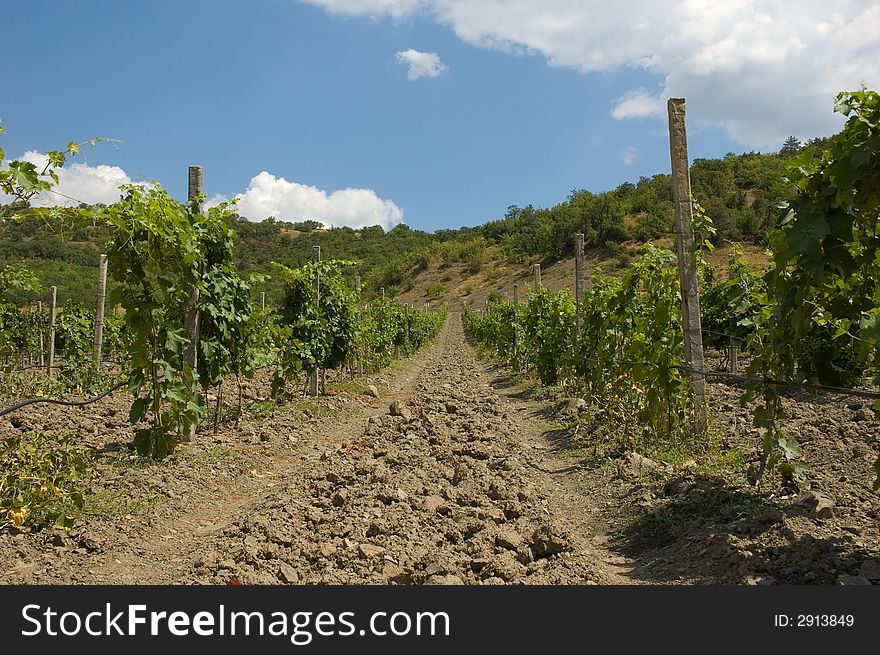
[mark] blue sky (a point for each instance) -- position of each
(529, 104)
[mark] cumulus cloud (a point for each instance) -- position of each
(420, 64)
(265, 196)
(628, 155)
(375, 8)
(637, 103)
(78, 182)
(268, 195)
(759, 69)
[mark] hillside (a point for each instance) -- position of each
(456, 286)
(739, 192)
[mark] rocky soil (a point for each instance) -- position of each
(456, 474)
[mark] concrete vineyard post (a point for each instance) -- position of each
(579, 280)
(360, 358)
(40, 323)
(53, 310)
(99, 311)
(196, 189)
(687, 264)
(316, 257)
(516, 325)
(733, 350)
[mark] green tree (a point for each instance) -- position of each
(790, 146)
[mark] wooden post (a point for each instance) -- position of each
(40, 323)
(360, 357)
(382, 291)
(733, 351)
(687, 265)
(316, 257)
(99, 310)
(396, 346)
(515, 325)
(196, 184)
(196, 189)
(537, 268)
(53, 300)
(579, 280)
(191, 320)
(262, 300)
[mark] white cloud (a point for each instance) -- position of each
(420, 64)
(628, 155)
(265, 196)
(760, 69)
(268, 195)
(374, 8)
(215, 200)
(637, 103)
(77, 182)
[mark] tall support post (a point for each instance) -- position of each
(360, 357)
(537, 269)
(396, 346)
(99, 310)
(382, 292)
(262, 300)
(516, 325)
(579, 280)
(191, 321)
(53, 311)
(733, 351)
(316, 257)
(40, 323)
(196, 189)
(687, 264)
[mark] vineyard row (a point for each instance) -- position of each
(633, 345)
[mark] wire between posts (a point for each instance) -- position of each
(735, 377)
(842, 391)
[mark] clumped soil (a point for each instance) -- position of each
(456, 474)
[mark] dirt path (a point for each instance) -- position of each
(456, 475)
(448, 486)
(453, 484)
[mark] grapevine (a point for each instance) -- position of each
(822, 294)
